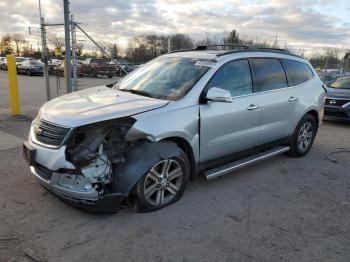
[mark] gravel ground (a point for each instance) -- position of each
(283, 209)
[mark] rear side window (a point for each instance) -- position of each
(269, 74)
(297, 72)
(234, 77)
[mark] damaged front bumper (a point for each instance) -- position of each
(74, 189)
(82, 195)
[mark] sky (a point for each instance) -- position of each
(307, 22)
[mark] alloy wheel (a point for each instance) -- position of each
(163, 182)
(305, 136)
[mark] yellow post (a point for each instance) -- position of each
(13, 85)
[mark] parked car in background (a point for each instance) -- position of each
(328, 78)
(99, 66)
(59, 70)
(337, 103)
(182, 114)
(2, 62)
(53, 64)
(21, 59)
(30, 67)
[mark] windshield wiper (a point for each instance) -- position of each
(137, 92)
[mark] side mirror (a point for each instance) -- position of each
(218, 95)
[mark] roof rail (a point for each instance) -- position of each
(237, 48)
(274, 49)
(207, 47)
(259, 49)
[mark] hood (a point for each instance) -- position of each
(94, 105)
(338, 93)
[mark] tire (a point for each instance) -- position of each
(303, 136)
(166, 190)
(28, 73)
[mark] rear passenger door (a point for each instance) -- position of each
(276, 100)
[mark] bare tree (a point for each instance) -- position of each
(233, 38)
(5, 44)
(18, 39)
(57, 41)
(181, 41)
(114, 51)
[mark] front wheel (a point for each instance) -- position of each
(163, 184)
(303, 137)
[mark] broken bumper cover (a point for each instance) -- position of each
(85, 198)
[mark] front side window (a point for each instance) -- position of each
(167, 78)
(269, 74)
(235, 77)
(297, 72)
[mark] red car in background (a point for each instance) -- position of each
(99, 66)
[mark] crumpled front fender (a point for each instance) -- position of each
(138, 160)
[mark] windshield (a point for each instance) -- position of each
(342, 83)
(167, 78)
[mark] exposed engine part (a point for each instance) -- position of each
(94, 150)
(86, 139)
(99, 168)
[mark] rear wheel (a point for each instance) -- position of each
(303, 137)
(163, 184)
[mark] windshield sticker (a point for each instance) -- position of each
(205, 63)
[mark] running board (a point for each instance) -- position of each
(225, 169)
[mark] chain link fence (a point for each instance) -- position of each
(104, 53)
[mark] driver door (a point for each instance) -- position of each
(230, 127)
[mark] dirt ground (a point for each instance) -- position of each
(283, 209)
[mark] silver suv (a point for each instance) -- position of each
(186, 113)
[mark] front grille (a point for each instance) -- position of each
(49, 133)
(336, 102)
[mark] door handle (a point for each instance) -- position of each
(252, 107)
(292, 98)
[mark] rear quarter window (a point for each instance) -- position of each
(297, 72)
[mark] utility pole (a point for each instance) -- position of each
(67, 46)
